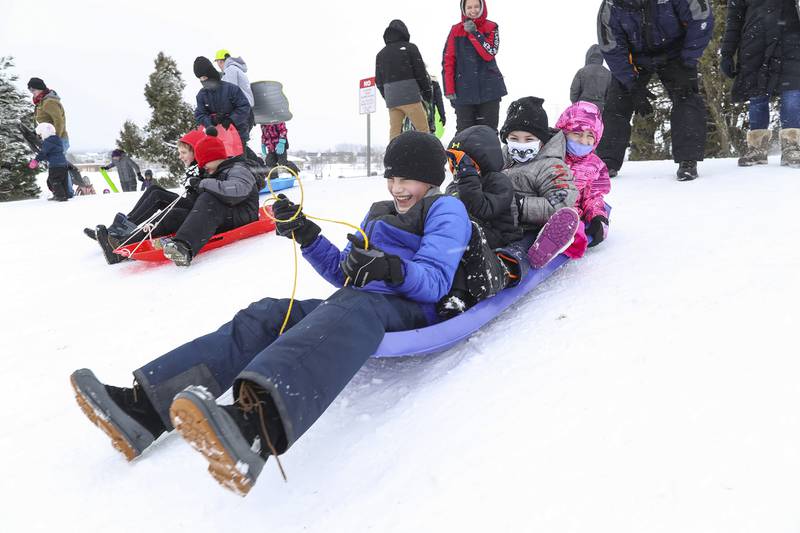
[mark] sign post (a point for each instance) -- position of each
(367, 100)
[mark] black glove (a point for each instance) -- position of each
(305, 231)
(214, 119)
(225, 122)
(363, 266)
(192, 185)
(597, 229)
(105, 167)
(139, 175)
(679, 78)
(728, 67)
(469, 26)
(640, 97)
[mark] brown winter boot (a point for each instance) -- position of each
(790, 147)
(757, 148)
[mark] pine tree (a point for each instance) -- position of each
(17, 181)
(170, 120)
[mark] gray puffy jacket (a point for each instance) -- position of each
(235, 73)
(592, 81)
(127, 170)
(542, 186)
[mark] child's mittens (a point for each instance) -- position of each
(461, 165)
(469, 26)
(34, 164)
(280, 148)
(264, 150)
(597, 230)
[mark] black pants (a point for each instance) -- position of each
(486, 114)
(57, 181)
(209, 216)
(154, 199)
(688, 118)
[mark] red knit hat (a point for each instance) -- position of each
(209, 149)
(193, 137)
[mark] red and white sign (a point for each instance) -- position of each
(367, 97)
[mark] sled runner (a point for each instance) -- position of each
(152, 249)
(278, 184)
(271, 105)
(444, 335)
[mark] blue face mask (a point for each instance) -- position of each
(578, 149)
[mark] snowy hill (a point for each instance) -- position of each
(651, 386)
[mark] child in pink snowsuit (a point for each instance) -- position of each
(582, 124)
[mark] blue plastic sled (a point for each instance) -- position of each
(278, 184)
(444, 335)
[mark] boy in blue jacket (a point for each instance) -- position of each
(283, 384)
(52, 151)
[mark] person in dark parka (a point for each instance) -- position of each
(472, 80)
(127, 170)
(401, 78)
(761, 53)
(592, 81)
(219, 102)
(643, 38)
(282, 383)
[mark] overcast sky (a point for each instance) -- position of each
(97, 55)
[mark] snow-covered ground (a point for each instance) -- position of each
(651, 387)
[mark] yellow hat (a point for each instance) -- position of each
(221, 54)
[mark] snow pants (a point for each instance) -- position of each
(154, 199)
(128, 186)
(207, 217)
(486, 114)
(303, 370)
(57, 182)
(688, 118)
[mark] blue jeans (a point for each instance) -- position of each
(790, 111)
(303, 370)
(70, 189)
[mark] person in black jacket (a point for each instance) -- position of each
(764, 35)
(489, 264)
(219, 102)
(227, 198)
(401, 78)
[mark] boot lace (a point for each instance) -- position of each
(250, 402)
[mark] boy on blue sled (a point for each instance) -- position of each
(283, 384)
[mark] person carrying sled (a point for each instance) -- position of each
(283, 383)
(227, 198)
(402, 80)
(127, 170)
(125, 228)
(48, 108)
(220, 103)
(643, 38)
(487, 267)
(544, 189)
(52, 151)
(583, 126)
(472, 80)
(592, 81)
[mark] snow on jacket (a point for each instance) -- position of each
(643, 33)
(429, 238)
(545, 184)
(488, 194)
(127, 170)
(52, 151)
(592, 81)
(590, 173)
(234, 71)
(235, 185)
(49, 109)
(765, 37)
(226, 101)
(400, 73)
(469, 69)
(271, 134)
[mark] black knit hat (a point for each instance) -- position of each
(416, 156)
(37, 83)
(203, 67)
(527, 114)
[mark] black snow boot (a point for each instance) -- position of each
(486, 275)
(102, 237)
(122, 228)
(237, 439)
(126, 415)
(178, 252)
(612, 172)
(89, 232)
(687, 170)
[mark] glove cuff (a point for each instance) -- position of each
(396, 275)
(307, 234)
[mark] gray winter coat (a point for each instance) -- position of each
(127, 170)
(234, 72)
(545, 184)
(232, 184)
(592, 81)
